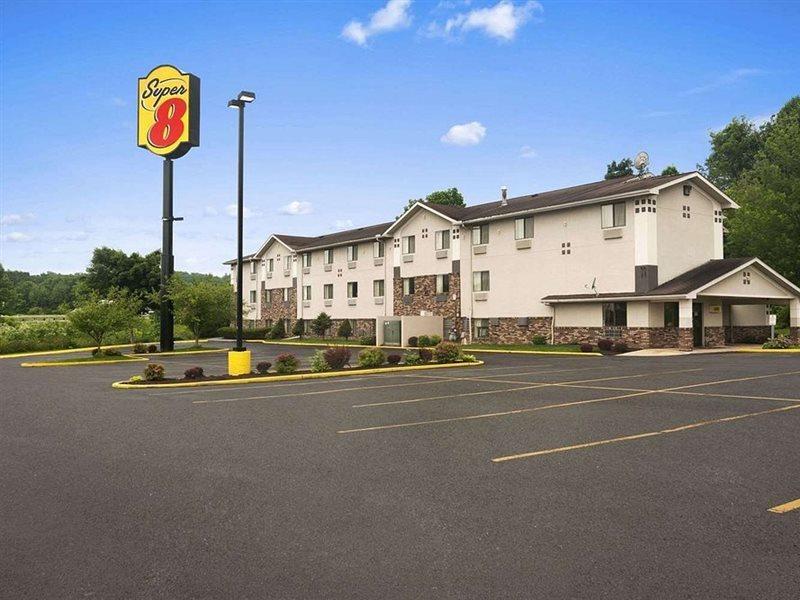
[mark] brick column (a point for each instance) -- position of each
(685, 337)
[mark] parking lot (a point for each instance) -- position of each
(530, 477)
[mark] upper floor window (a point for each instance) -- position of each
(327, 291)
(352, 289)
(252, 296)
(270, 265)
(328, 256)
(352, 253)
(409, 244)
(253, 267)
(523, 228)
(307, 259)
(480, 281)
(286, 294)
(378, 288)
(612, 215)
(306, 292)
(408, 286)
(268, 296)
(480, 235)
(443, 239)
(378, 249)
(287, 262)
(615, 314)
(443, 284)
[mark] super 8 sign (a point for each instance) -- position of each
(168, 110)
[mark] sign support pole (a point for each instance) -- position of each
(167, 261)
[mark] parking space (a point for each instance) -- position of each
(532, 476)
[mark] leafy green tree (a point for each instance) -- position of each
(321, 324)
(448, 197)
(768, 223)
(734, 150)
(202, 306)
(298, 328)
(670, 170)
(623, 168)
(98, 317)
(278, 330)
(345, 329)
(112, 268)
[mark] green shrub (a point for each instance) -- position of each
(253, 333)
(154, 372)
(321, 324)
(345, 329)
(139, 349)
(424, 341)
(539, 340)
(337, 357)
(136, 378)
(371, 357)
(777, 343)
(318, 363)
(263, 367)
(278, 331)
(586, 347)
(298, 328)
(30, 336)
(468, 358)
(447, 352)
(367, 340)
(394, 359)
(426, 354)
(286, 364)
(436, 340)
(412, 358)
(112, 352)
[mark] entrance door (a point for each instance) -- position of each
(697, 324)
(391, 333)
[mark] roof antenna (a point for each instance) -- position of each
(504, 196)
(641, 162)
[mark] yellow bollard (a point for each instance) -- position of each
(239, 362)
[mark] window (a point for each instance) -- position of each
(327, 291)
(612, 215)
(268, 296)
(306, 292)
(253, 267)
(409, 245)
(480, 235)
(443, 284)
(523, 228)
(307, 259)
(615, 314)
(378, 249)
(287, 262)
(328, 256)
(670, 314)
(443, 239)
(480, 328)
(352, 289)
(352, 253)
(252, 296)
(286, 294)
(480, 281)
(378, 288)
(408, 286)
(270, 265)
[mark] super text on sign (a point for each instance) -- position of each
(168, 111)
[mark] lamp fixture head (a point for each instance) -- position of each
(246, 96)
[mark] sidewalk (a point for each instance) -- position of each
(676, 352)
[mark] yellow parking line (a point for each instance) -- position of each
(412, 400)
(784, 508)
(648, 434)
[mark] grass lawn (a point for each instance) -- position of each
(311, 341)
(183, 349)
(525, 347)
(91, 359)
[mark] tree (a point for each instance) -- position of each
(670, 170)
(202, 306)
(623, 168)
(114, 269)
(768, 223)
(734, 150)
(321, 324)
(98, 317)
(345, 329)
(448, 197)
(298, 329)
(278, 330)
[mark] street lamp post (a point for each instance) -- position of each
(239, 359)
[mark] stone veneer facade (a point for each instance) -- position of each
(714, 337)
(634, 337)
(513, 330)
(754, 334)
(425, 298)
(272, 311)
(794, 334)
(361, 327)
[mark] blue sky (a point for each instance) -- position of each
(361, 106)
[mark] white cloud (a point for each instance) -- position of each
(499, 21)
(467, 134)
(232, 210)
(343, 224)
(71, 236)
(16, 218)
(392, 16)
(527, 152)
(760, 120)
(17, 236)
(725, 80)
(297, 207)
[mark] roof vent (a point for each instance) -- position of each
(504, 196)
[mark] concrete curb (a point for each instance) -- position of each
(84, 363)
(770, 351)
(154, 354)
(538, 352)
(296, 377)
(87, 349)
